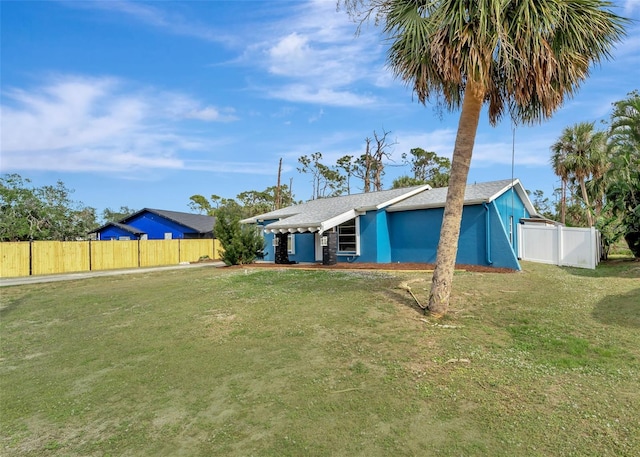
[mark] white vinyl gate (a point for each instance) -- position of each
(558, 245)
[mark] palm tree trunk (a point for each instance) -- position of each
(450, 230)
(585, 198)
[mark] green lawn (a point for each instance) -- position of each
(266, 362)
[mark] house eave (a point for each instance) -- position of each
(477, 201)
(402, 197)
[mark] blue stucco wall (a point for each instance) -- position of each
(113, 233)
(504, 204)
(368, 240)
(305, 248)
(501, 253)
(415, 235)
(375, 245)
(153, 225)
(269, 251)
(412, 236)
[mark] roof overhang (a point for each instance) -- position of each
(258, 219)
(397, 199)
(125, 227)
(320, 226)
(477, 201)
(519, 188)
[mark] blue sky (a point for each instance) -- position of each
(143, 104)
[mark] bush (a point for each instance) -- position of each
(241, 244)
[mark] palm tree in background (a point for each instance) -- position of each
(623, 177)
(524, 58)
(559, 168)
(580, 151)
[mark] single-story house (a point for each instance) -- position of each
(158, 224)
(398, 225)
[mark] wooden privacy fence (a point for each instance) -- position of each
(54, 257)
(566, 246)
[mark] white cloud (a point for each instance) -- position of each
(439, 141)
(316, 117)
(290, 55)
(630, 6)
(250, 168)
(209, 113)
(314, 57)
(171, 21)
(321, 96)
(180, 106)
(531, 148)
(88, 124)
(629, 50)
(103, 160)
(73, 111)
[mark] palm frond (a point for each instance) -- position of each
(529, 56)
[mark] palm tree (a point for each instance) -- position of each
(625, 124)
(623, 177)
(559, 168)
(521, 57)
(580, 151)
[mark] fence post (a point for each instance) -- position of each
(560, 253)
(593, 246)
(520, 243)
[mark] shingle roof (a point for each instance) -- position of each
(198, 222)
(325, 213)
(474, 194)
(125, 227)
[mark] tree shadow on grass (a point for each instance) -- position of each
(618, 268)
(404, 298)
(622, 310)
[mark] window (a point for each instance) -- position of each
(291, 244)
(348, 238)
(167, 236)
(511, 230)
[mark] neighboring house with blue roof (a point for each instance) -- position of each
(157, 224)
(402, 225)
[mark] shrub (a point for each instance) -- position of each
(241, 244)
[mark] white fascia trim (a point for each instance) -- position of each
(476, 201)
(265, 217)
(518, 187)
(414, 207)
(527, 201)
(403, 196)
(503, 190)
(337, 220)
(295, 229)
